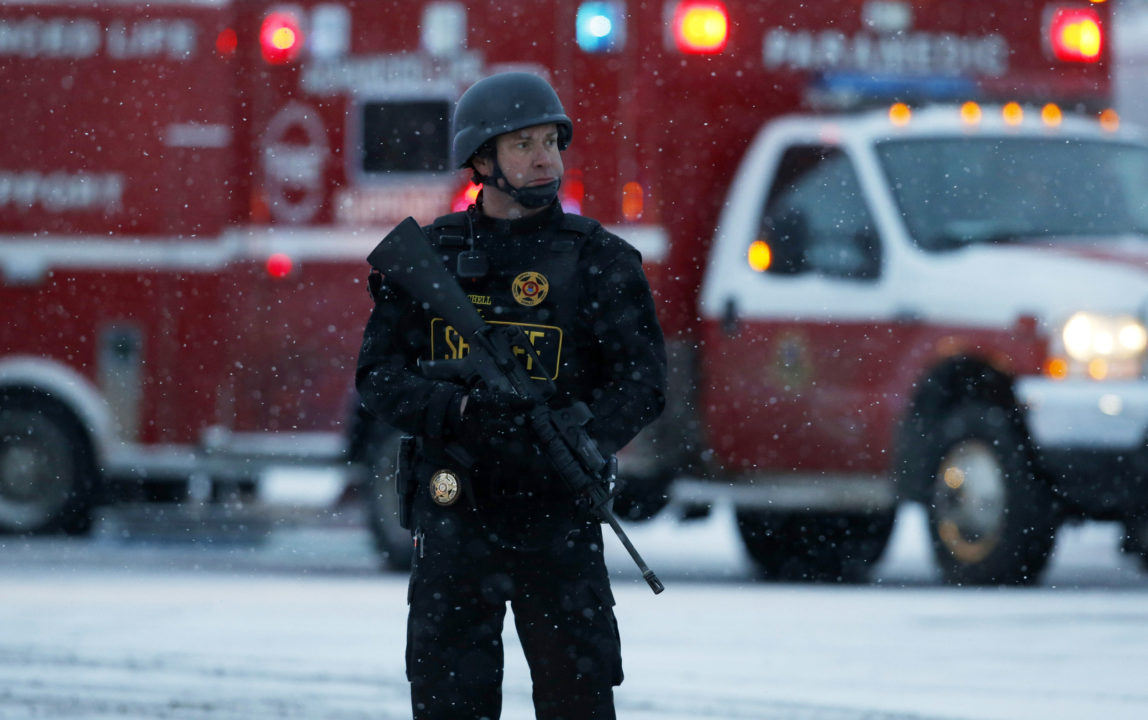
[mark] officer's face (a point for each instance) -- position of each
(528, 157)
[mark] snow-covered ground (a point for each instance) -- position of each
(1077, 647)
(301, 627)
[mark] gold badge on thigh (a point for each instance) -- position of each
(444, 487)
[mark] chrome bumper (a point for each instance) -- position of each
(1084, 414)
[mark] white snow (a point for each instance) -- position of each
(105, 630)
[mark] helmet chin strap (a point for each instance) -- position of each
(532, 197)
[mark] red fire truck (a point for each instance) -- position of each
(857, 314)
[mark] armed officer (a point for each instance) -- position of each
(491, 522)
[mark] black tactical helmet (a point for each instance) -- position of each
(504, 103)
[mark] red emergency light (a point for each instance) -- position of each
(573, 192)
(280, 37)
(572, 195)
(465, 197)
(226, 42)
(700, 27)
(279, 265)
(1074, 34)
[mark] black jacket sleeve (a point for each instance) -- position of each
(388, 382)
(630, 347)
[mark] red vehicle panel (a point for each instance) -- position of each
(189, 189)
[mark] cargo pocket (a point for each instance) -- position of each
(608, 634)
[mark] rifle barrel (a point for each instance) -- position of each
(647, 574)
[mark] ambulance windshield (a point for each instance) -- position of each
(960, 191)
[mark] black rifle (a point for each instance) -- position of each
(405, 258)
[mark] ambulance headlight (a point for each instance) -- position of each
(1103, 347)
(1088, 335)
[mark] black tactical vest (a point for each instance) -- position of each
(532, 281)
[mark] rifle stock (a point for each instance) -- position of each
(406, 258)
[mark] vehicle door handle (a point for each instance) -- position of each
(729, 317)
(907, 316)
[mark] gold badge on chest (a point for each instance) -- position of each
(530, 288)
(444, 487)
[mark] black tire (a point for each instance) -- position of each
(47, 473)
(992, 520)
(815, 547)
(392, 541)
(1135, 540)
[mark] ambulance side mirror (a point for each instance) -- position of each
(790, 239)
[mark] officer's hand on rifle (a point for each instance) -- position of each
(492, 418)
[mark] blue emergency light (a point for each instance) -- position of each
(601, 27)
(884, 88)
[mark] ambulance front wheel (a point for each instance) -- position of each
(392, 541)
(815, 547)
(992, 520)
(1135, 540)
(47, 472)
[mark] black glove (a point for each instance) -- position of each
(491, 418)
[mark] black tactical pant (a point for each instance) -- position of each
(548, 565)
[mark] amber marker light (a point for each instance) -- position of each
(1051, 115)
(900, 114)
(633, 201)
(1098, 369)
(1110, 120)
(970, 113)
(760, 255)
(1056, 368)
(1012, 113)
